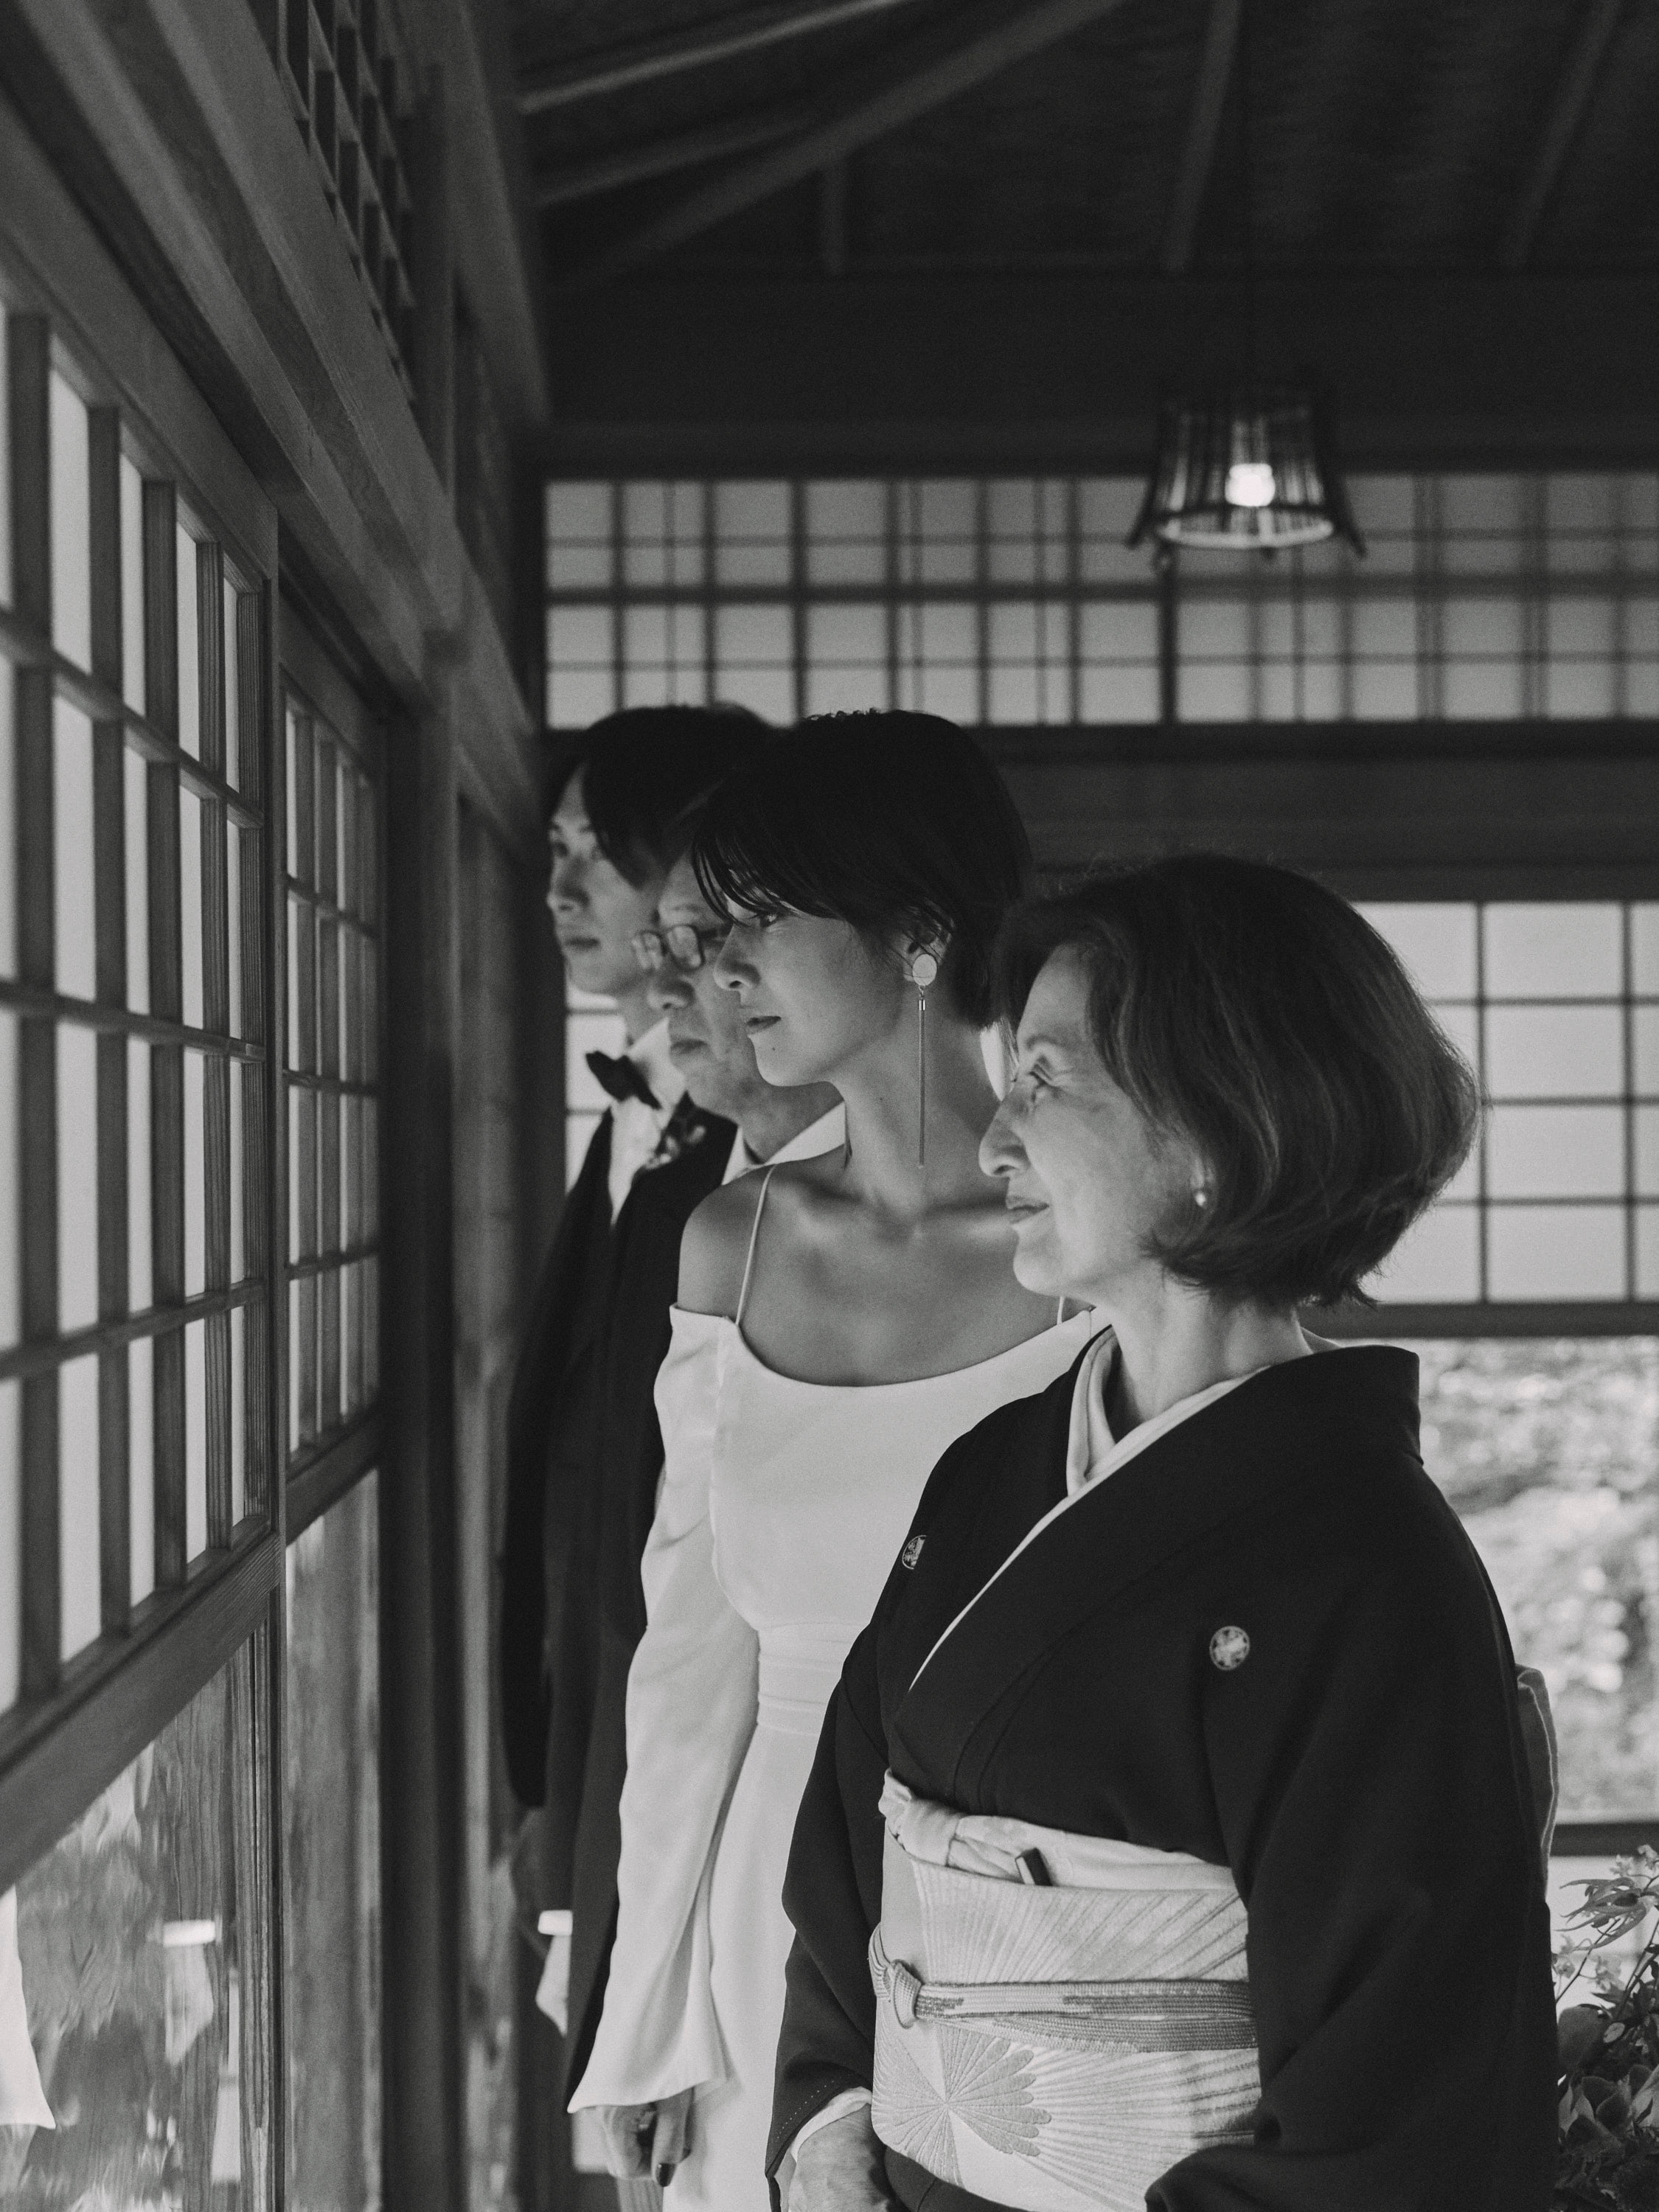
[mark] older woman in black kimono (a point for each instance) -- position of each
(1171, 1840)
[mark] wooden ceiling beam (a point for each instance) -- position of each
(559, 84)
(661, 157)
(947, 59)
(1215, 68)
(1561, 124)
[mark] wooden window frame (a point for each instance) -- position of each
(78, 1725)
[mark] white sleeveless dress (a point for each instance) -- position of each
(783, 1507)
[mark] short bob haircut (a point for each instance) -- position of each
(886, 820)
(1254, 1013)
(645, 772)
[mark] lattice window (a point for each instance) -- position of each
(1557, 1006)
(134, 1357)
(1014, 601)
(345, 69)
(333, 1074)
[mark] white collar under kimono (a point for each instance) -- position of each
(1091, 1451)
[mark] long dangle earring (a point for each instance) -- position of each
(923, 969)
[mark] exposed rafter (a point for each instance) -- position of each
(1572, 97)
(1215, 68)
(930, 69)
(661, 157)
(559, 84)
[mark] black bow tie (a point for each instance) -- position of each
(621, 1078)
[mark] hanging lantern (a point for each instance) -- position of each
(1245, 472)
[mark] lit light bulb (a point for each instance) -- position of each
(1250, 483)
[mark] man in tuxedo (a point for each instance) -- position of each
(710, 1048)
(620, 817)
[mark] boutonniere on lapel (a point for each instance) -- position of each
(680, 1134)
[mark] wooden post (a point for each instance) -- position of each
(421, 1756)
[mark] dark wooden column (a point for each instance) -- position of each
(421, 1760)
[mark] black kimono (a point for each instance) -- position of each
(1362, 1771)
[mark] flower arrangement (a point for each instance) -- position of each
(1608, 2116)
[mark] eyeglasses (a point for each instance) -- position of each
(686, 945)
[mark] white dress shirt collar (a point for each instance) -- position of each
(635, 1127)
(827, 1134)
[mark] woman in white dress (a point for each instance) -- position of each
(840, 1323)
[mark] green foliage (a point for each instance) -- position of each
(1609, 2112)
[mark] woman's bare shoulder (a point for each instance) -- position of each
(714, 1246)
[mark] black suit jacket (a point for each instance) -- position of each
(633, 1336)
(548, 1413)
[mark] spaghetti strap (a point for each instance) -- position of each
(754, 1238)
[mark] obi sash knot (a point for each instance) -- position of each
(1057, 2043)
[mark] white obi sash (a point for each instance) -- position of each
(1058, 2046)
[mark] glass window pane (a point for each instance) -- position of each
(1437, 1261)
(127, 1945)
(1549, 1450)
(754, 658)
(140, 1485)
(138, 867)
(11, 1539)
(238, 1231)
(1482, 690)
(10, 1257)
(195, 1176)
(5, 473)
(196, 1495)
(577, 512)
(1556, 1252)
(232, 690)
(1555, 1152)
(1435, 939)
(238, 1414)
(75, 947)
(1647, 1251)
(79, 1619)
(296, 1433)
(1553, 951)
(576, 697)
(190, 667)
(8, 823)
(234, 925)
(71, 523)
(1116, 630)
(1122, 694)
(1214, 692)
(291, 775)
(132, 586)
(139, 1291)
(846, 532)
(751, 527)
(331, 1860)
(1555, 1052)
(77, 1176)
(1215, 629)
(190, 895)
(1644, 948)
(1646, 1134)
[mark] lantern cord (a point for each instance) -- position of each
(1247, 181)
